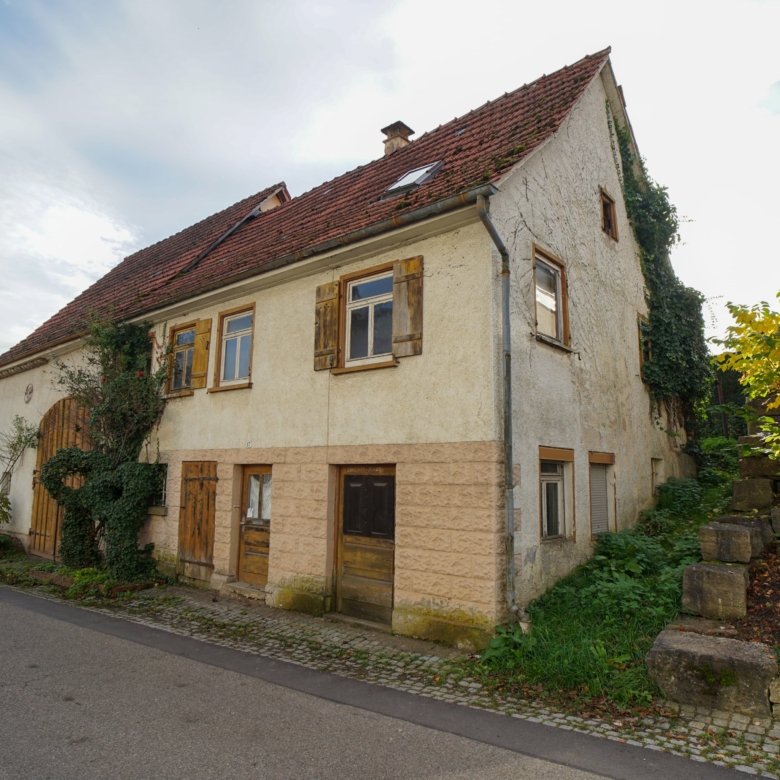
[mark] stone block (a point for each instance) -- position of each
(748, 494)
(715, 590)
(756, 466)
(761, 534)
(776, 519)
(726, 542)
(750, 441)
(713, 672)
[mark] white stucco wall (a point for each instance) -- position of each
(444, 395)
(592, 399)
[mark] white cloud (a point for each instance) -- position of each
(123, 122)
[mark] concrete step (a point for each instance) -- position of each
(244, 589)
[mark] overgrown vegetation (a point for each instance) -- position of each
(752, 348)
(105, 491)
(590, 633)
(677, 365)
(20, 436)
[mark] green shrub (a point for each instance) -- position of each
(592, 630)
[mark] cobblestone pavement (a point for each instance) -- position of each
(750, 745)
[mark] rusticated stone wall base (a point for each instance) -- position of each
(449, 566)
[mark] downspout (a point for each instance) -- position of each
(506, 344)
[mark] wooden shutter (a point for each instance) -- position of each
(200, 357)
(326, 326)
(407, 306)
(599, 510)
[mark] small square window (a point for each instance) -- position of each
(181, 360)
(553, 500)
(608, 216)
(369, 319)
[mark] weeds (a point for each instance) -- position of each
(591, 632)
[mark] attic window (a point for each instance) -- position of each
(413, 179)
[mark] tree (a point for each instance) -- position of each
(116, 382)
(752, 347)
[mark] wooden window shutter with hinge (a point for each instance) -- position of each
(200, 357)
(407, 306)
(326, 326)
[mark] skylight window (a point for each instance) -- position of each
(413, 179)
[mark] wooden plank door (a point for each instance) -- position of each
(64, 425)
(196, 519)
(255, 527)
(366, 543)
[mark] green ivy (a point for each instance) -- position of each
(112, 489)
(678, 364)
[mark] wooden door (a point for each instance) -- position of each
(255, 526)
(366, 546)
(196, 519)
(64, 425)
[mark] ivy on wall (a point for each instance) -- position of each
(106, 490)
(677, 369)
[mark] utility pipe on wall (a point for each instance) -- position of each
(506, 344)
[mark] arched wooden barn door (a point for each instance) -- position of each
(64, 425)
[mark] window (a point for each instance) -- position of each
(369, 327)
(5, 482)
(413, 179)
(608, 217)
(602, 492)
(658, 473)
(550, 298)
(370, 318)
(161, 495)
(553, 506)
(236, 348)
(183, 354)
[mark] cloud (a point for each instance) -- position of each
(772, 101)
(121, 122)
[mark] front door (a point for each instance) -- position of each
(196, 519)
(255, 535)
(366, 546)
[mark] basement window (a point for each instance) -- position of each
(413, 179)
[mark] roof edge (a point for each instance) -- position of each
(442, 206)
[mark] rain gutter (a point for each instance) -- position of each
(506, 345)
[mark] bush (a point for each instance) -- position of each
(592, 630)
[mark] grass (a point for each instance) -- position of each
(590, 632)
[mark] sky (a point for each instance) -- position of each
(123, 122)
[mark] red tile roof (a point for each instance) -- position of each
(476, 149)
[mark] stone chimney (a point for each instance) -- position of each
(397, 136)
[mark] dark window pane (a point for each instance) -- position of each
(230, 360)
(371, 288)
(188, 367)
(553, 519)
(239, 323)
(178, 370)
(243, 357)
(353, 488)
(382, 510)
(358, 333)
(383, 328)
(550, 468)
(187, 337)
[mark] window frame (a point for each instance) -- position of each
(343, 365)
(219, 383)
(607, 200)
(174, 332)
(559, 267)
(568, 521)
(606, 459)
(557, 479)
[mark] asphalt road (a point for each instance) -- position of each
(86, 696)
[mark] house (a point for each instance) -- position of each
(335, 435)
